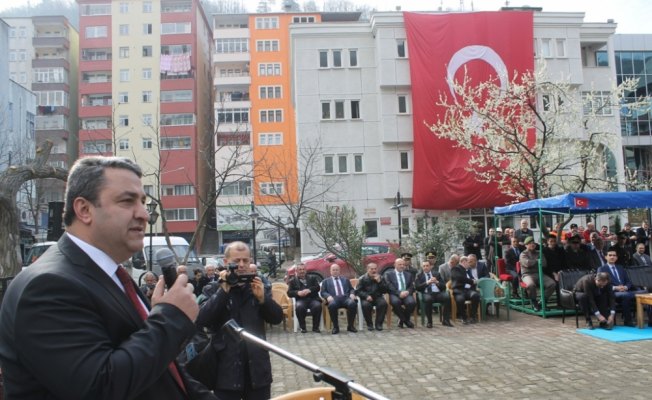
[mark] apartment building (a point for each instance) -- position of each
(352, 91)
(43, 57)
(145, 93)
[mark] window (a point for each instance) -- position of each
(232, 139)
(180, 214)
(148, 189)
(239, 188)
(266, 45)
(124, 7)
(96, 32)
(353, 58)
(178, 190)
(95, 9)
(549, 102)
(147, 73)
(123, 52)
(271, 115)
(269, 188)
(270, 139)
(560, 44)
(147, 29)
(342, 163)
(271, 69)
(124, 75)
(123, 97)
(147, 119)
(355, 109)
(267, 23)
(175, 143)
(124, 30)
(123, 120)
(232, 115)
(402, 104)
(357, 163)
(339, 109)
(303, 20)
(147, 51)
(601, 59)
(171, 28)
(232, 45)
(405, 226)
(22, 55)
(546, 48)
(370, 228)
(337, 58)
(49, 75)
(325, 110)
(147, 7)
(147, 143)
(400, 48)
(173, 49)
(405, 160)
(177, 119)
(147, 96)
(123, 144)
(598, 103)
(323, 59)
(97, 146)
(328, 165)
(176, 96)
(270, 92)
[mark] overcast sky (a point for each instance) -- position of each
(632, 16)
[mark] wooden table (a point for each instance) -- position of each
(640, 300)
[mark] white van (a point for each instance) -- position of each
(137, 265)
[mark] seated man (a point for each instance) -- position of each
(577, 254)
(464, 289)
(401, 288)
(445, 268)
(621, 285)
(529, 260)
(511, 258)
(370, 290)
(338, 293)
(640, 258)
(305, 289)
(479, 269)
(434, 291)
(595, 298)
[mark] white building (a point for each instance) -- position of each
(352, 93)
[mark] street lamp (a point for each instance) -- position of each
(253, 215)
(397, 206)
(153, 217)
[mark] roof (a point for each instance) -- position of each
(580, 203)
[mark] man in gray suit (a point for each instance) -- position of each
(445, 268)
(640, 258)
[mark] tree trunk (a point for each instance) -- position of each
(10, 182)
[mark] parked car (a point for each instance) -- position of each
(36, 251)
(379, 253)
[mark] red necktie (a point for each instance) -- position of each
(130, 290)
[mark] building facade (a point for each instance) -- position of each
(352, 93)
(145, 93)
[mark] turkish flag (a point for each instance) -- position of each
(486, 45)
(581, 202)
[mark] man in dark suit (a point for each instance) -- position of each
(464, 289)
(305, 289)
(74, 325)
(621, 284)
(371, 288)
(401, 289)
(434, 291)
(640, 258)
(511, 258)
(577, 254)
(596, 298)
(596, 254)
(338, 293)
(479, 269)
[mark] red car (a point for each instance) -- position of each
(379, 253)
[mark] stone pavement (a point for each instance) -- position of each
(527, 357)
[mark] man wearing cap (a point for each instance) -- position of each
(623, 249)
(577, 254)
(573, 231)
(530, 275)
(407, 258)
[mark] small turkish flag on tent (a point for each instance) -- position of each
(581, 202)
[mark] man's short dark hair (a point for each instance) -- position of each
(602, 276)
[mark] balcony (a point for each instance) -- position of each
(231, 57)
(50, 63)
(242, 78)
(51, 122)
(56, 42)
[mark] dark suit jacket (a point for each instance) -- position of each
(483, 270)
(369, 287)
(392, 282)
(586, 284)
(421, 285)
(622, 275)
(328, 287)
(69, 332)
(642, 259)
(296, 285)
(459, 279)
(596, 260)
(511, 258)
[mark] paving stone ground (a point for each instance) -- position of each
(527, 357)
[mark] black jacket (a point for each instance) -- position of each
(369, 287)
(296, 285)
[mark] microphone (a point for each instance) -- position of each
(168, 262)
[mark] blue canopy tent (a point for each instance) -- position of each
(572, 203)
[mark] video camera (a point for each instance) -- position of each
(233, 278)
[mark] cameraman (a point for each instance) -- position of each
(245, 371)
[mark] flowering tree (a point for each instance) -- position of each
(535, 137)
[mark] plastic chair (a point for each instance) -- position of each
(295, 319)
(467, 303)
(422, 309)
(318, 393)
(280, 285)
(487, 288)
(327, 317)
(282, 299)
(501, 267)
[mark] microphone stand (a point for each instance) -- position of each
(342, 383)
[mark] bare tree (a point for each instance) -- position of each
(335, 230)
(11, 180)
